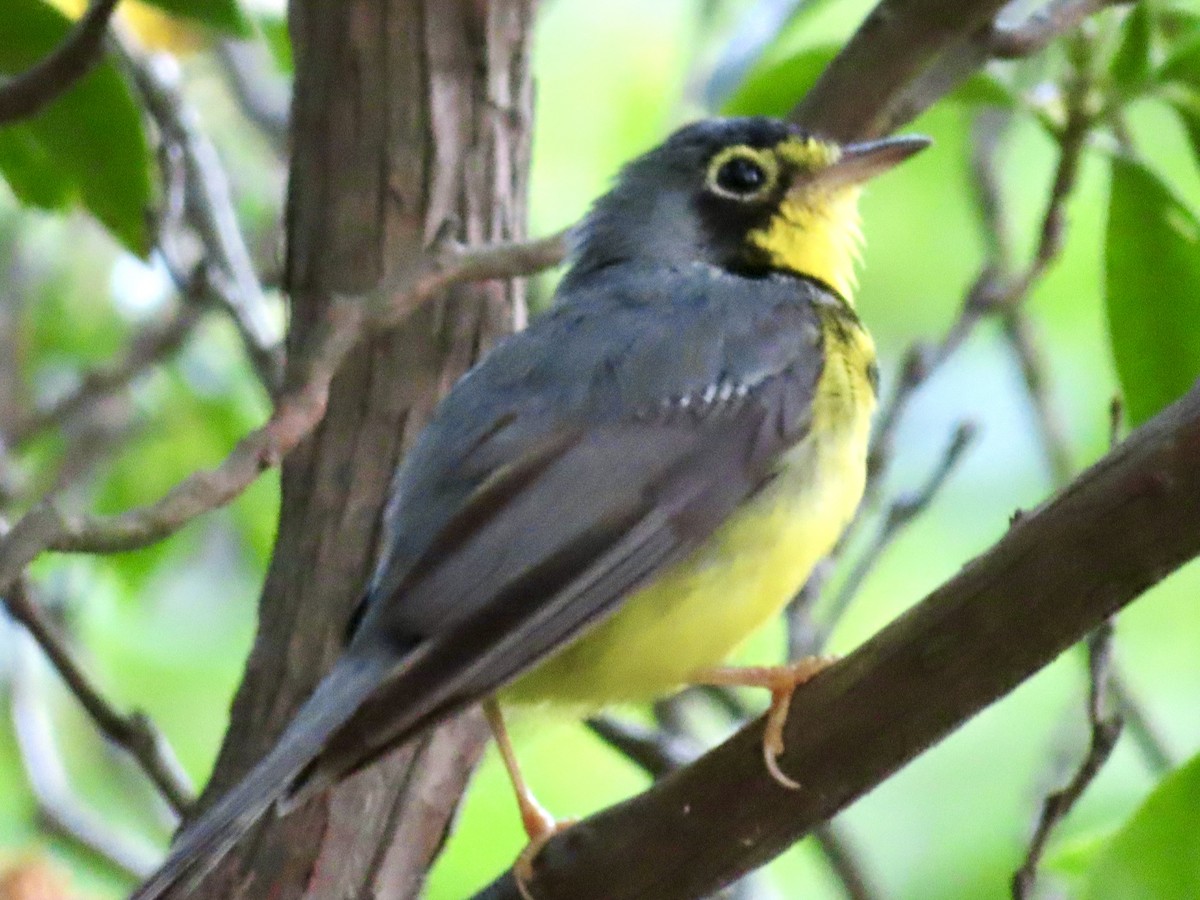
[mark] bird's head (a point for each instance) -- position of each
(751, 195)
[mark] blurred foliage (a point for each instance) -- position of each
(166, 628)
(172, 24)
(1152, 254)
(88, 146)
(1157, 852)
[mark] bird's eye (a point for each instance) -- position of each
(741, 176)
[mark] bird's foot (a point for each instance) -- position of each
(540, 827)
(782, 682)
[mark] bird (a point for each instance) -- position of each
(616, 497)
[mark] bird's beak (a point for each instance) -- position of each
(863, 161)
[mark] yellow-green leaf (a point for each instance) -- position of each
(1152, 290)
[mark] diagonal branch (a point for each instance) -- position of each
(1057, 574)
(146, 349)
(209, 207)
(900, 514)
(24, 95)
(1105, 728)
(58, 807)
(1035, 34)
(297, 412)
(899, 40)
(908, 54)
(48, 527)
(134, 733)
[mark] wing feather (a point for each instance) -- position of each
(626, 501)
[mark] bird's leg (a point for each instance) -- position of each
(539, 825)
(782, 682)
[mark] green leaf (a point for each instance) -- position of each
(1187, 107)
(1072, 859)
(772, 90)
(279, 41)
(1183, 64)
(1157, 852)
(1179, 21)
(30, 171)
(1130, 67)
(224, 15)
(1152, 288)
(983, 89)
(88, 145)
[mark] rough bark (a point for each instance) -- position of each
(408, 115)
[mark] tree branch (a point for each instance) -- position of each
(1052, 431)
(210, 209)
(298, 410)
(857, 94)
(842, 859)
(50, 784)
(146, 349)
(47, 527)
(1105, 729)
(1035, 34)
(448, 262)
(24, 95)
(900, 514)
(263, 94)
(133, 733)
(1056, 575)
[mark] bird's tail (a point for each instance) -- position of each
(202, 844)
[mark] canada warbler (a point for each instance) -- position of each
(614, 498)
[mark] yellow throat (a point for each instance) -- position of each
(817, 235)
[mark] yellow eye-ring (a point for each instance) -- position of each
(742, 173)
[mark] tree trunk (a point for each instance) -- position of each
(410, 117)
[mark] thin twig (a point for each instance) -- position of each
(1052, 432)
(993, 291)
(843, 860)
(24, 95)
(262, 93)
(655, 750)
(1072, 142)
(1105, 730)
(1044, 26)
(210, 209)
(1052, 578)
(298, 409)
(48, 527)
(992, 40)
(448, 262)
(59, 808)
(133, 733)
(900, 514)
(147, 349)
(1106, 690)
(923, 358)
(658, 752)
(1145, 736)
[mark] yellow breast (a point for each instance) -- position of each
(696, 613)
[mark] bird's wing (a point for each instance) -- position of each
(585, 511)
